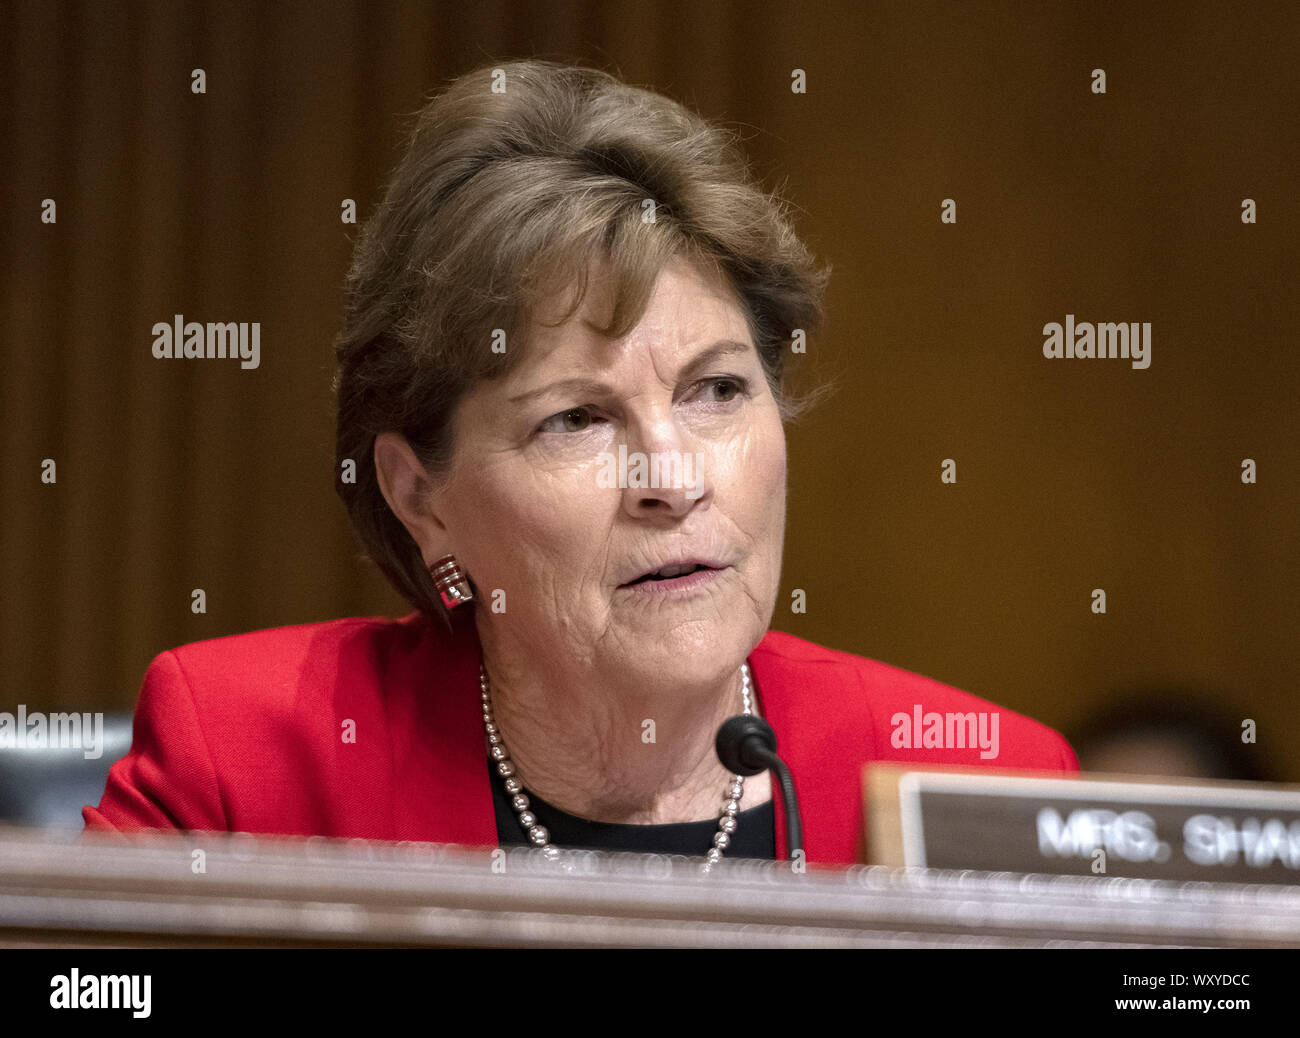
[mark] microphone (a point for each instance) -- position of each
(747, 746)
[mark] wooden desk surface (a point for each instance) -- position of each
(87, 890)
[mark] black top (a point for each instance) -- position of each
(755, 835)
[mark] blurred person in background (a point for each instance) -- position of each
(1170, 734)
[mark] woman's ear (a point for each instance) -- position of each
(407, 488)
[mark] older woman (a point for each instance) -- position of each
(560, 435)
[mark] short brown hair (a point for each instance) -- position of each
(517, 179)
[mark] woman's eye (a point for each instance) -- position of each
(576, 419)
(721, 390)
(726, 387)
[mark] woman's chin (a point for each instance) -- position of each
(698, 636)
(687, 659)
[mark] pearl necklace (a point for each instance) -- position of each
(538, 835)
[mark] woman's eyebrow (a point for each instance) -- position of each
(710, 353)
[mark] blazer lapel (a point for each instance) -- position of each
(824, 734)
(440, 772)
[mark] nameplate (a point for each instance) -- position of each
(1093, 824)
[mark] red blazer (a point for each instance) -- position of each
(245, 734)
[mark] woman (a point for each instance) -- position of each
(560, 435)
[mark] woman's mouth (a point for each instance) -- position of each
(672, 579)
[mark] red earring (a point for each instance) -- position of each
(450, 581)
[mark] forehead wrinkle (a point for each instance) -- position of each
(679, 313)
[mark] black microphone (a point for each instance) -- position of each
(747, 746)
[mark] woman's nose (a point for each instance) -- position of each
(674, 494)
(672, 481)
(661, 468)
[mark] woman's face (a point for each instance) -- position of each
(541, 503)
